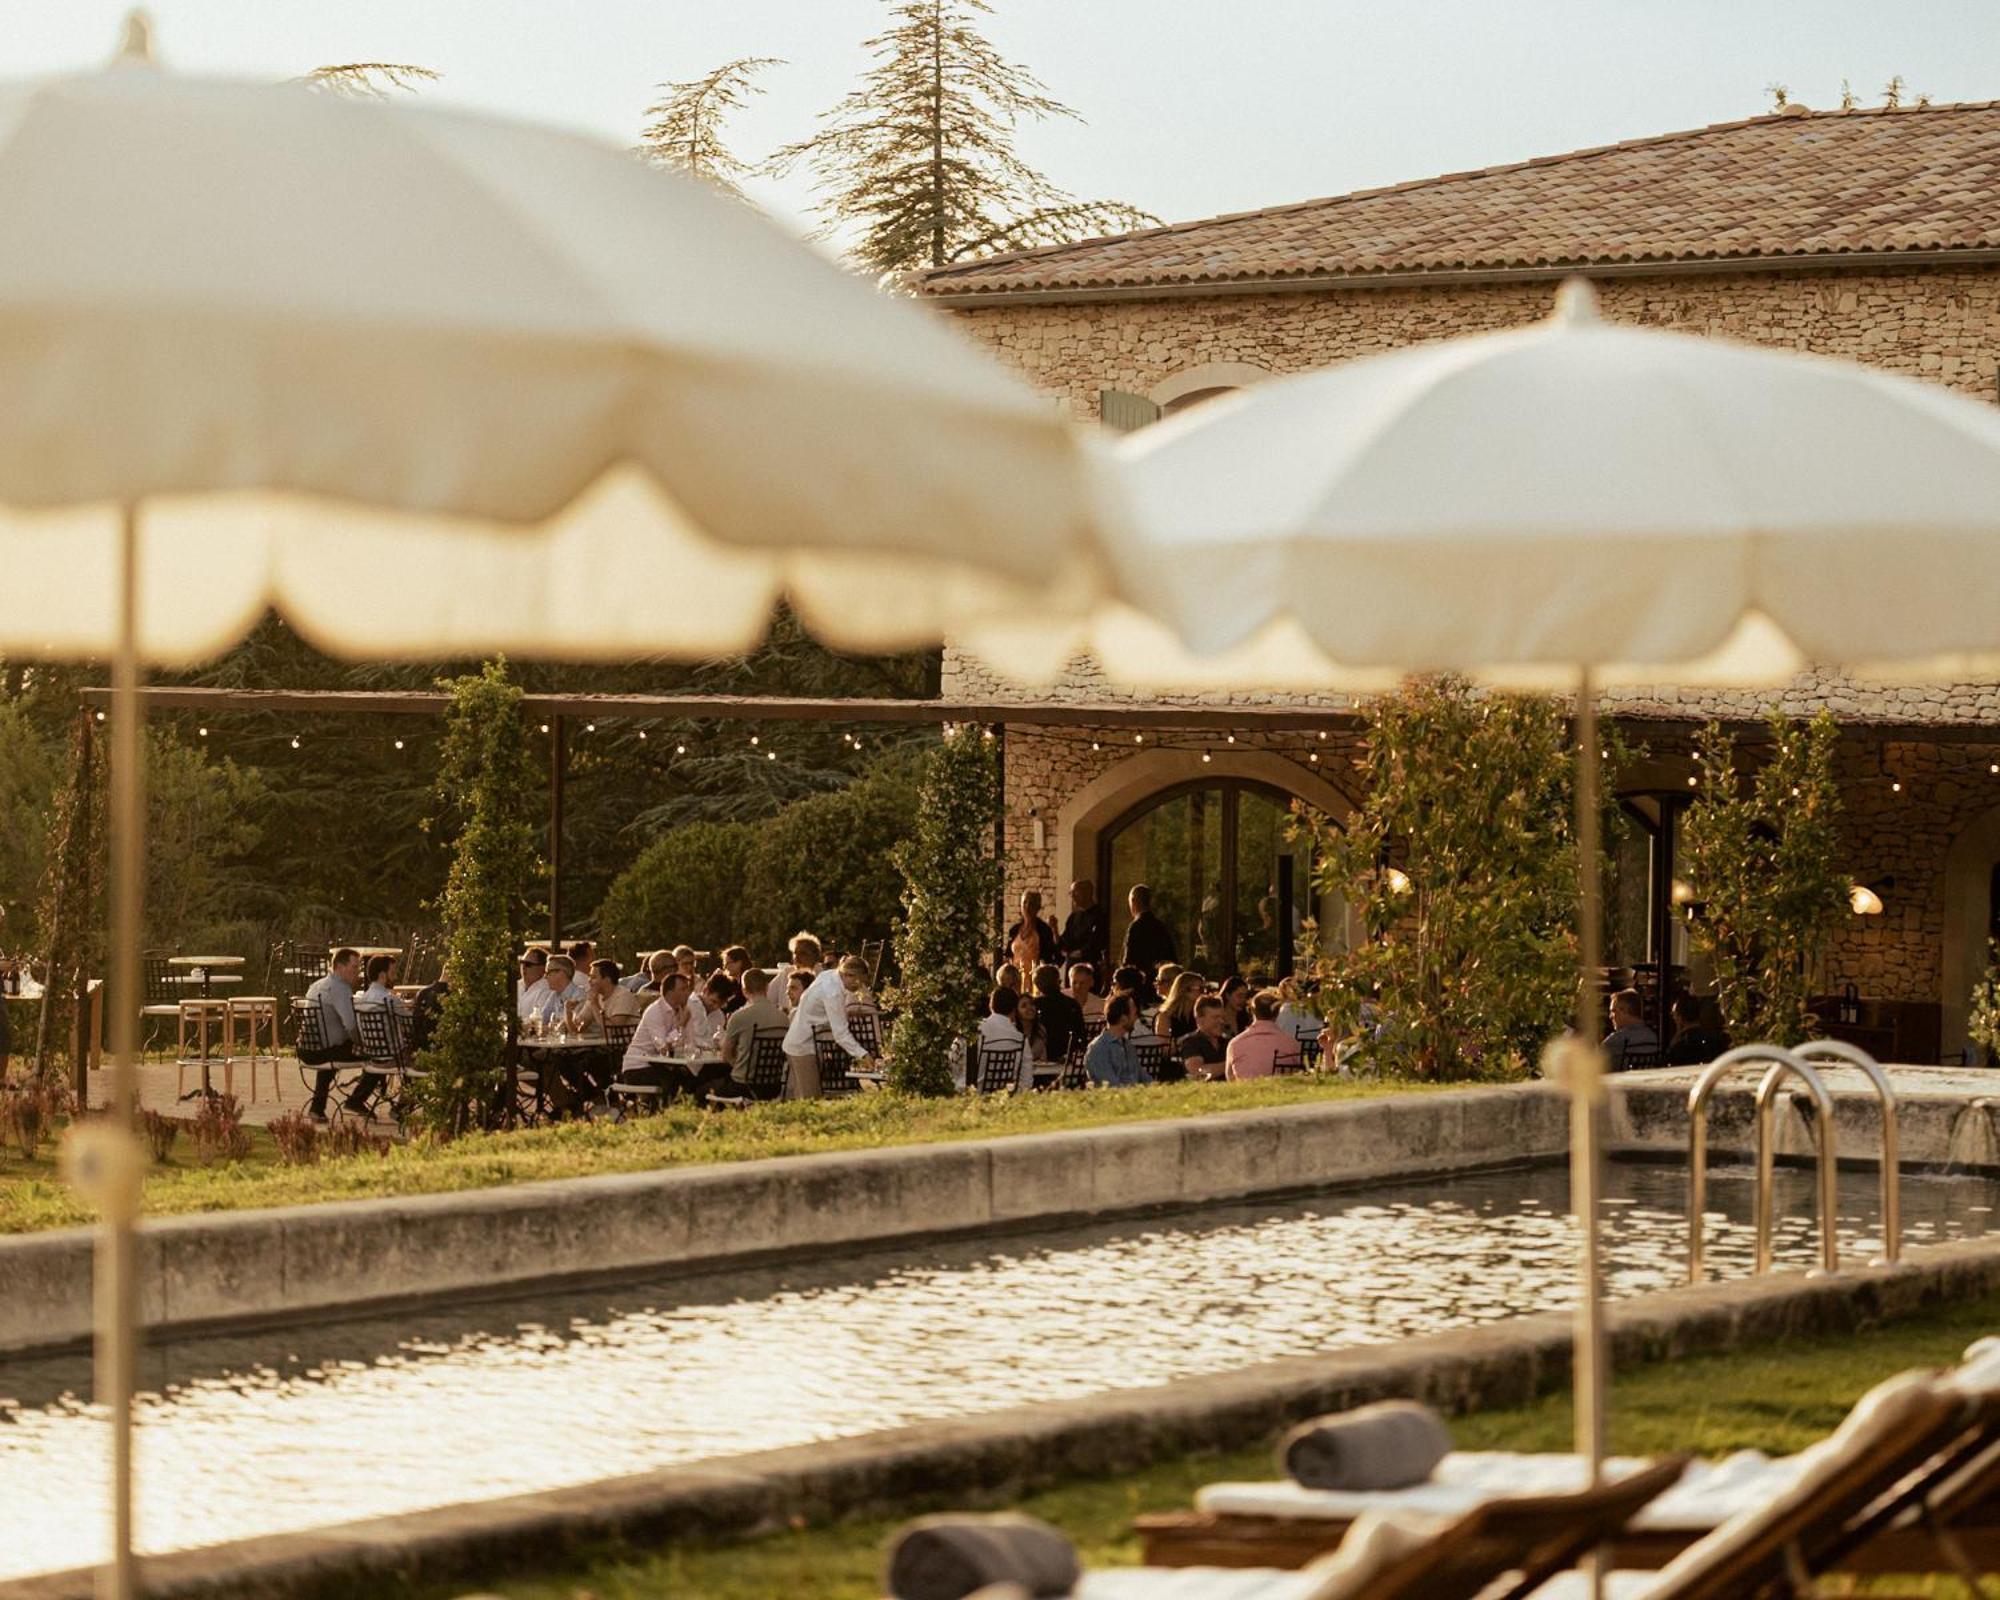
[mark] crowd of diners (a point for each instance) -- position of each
(1056, 995)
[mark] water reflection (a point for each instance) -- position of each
(279, 1431)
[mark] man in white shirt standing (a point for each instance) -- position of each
(823, 1005)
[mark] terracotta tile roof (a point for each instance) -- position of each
(1792, 183)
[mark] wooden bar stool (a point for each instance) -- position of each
(257, 1016)
(201, 1019)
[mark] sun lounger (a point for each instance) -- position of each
(1278, 1523)
(1391, 1556)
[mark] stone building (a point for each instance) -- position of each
(1868, 234)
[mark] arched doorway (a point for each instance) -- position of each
(1231, 884)
(1971, 921)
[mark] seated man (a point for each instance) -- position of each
(334, 996)
(1204, 1052)
(1629, 1033)
(564, 1000)
(735, 965)
(1000, 1029)
(1061, 1016)
(381, 974)
(533, 988)
(1256, 1051)
(758, 1010)
(667, 1029)
(607, 1000)
(1110, 1060)
(1083, 990)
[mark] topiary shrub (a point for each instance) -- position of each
(950, 878)
(828, 862)
(487, 793)
(685, 887)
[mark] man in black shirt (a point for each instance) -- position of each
(1061, 1017)
(1205, 1052)
(1148, 943)
(1086, 936)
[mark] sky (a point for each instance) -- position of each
(1191, 107)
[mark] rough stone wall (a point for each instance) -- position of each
(1941, 325)
(1047, 766)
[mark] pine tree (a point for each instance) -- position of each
(920, 158)
(369, 80)
(685, 130)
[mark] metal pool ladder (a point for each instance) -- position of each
(1793, 1063)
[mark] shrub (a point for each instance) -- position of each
(160, 1132)
(685, 887)
(27, 1112)
(350, 1137)
(828, 862)
(1762, 862)
(218, 1131)
(298, 1141)
(950, 878)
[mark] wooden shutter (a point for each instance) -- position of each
(1123, 413)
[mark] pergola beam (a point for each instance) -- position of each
(746, 708)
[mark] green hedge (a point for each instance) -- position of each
(824, 863)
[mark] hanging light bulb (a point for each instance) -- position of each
(295, 741)
(590, 727)
(203, 732)
(545, 727)
(642, 733)
(1232, 738)
(1096, 746)
(1322, 736)
(770, 755)
(1896, 786)
(399, 744)
(680, 749)
(1314, 758)
(1138, 738)
(1206, 758)
(753, 738)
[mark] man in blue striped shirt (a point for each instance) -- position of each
(1110, 1058)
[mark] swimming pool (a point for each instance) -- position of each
(291, 1429)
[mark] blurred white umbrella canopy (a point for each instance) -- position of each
(319, 340)
(1516, 505)
(1556, 507)
(436, 384)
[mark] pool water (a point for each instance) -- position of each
(297, 1428)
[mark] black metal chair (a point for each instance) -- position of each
(385, 1051)
(1151, 1055)
(1639, 1058)
(836, 1078)
(762, 1075)
(999, 1070)
(309, 1032)
(865, 1023)
(1288, 1064)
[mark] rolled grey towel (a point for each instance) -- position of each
(949, 1558)
(1386, 1446)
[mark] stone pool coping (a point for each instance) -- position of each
(1001, 1455)
(203, 1272)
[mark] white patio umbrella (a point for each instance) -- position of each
(434, 383)
(1560, 506)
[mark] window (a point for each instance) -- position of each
(1233, 889)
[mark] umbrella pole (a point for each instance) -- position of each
(103, 1158)
(1586, 1160)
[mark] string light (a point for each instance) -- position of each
(1313, 758)
(1896, 787)
(1206, 758)
(1691, 780)
(770, 755)
(680, 749)
(642, 733)
(399, 744)
(1232, 738)
(100, 716)
(590, 727)
(753, 738)
(203, 732)
(295, 741)
(1138, 738)
(1096, 746)
(545, 727)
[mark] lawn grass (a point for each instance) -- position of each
(1779, 1400)
(32, 1197)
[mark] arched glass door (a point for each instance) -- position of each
(1233, 889)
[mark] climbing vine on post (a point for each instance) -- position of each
(1459, 869)
(486, 781)
(950, 878)
(1762, 863)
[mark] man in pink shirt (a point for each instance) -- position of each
(1255, 1052)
